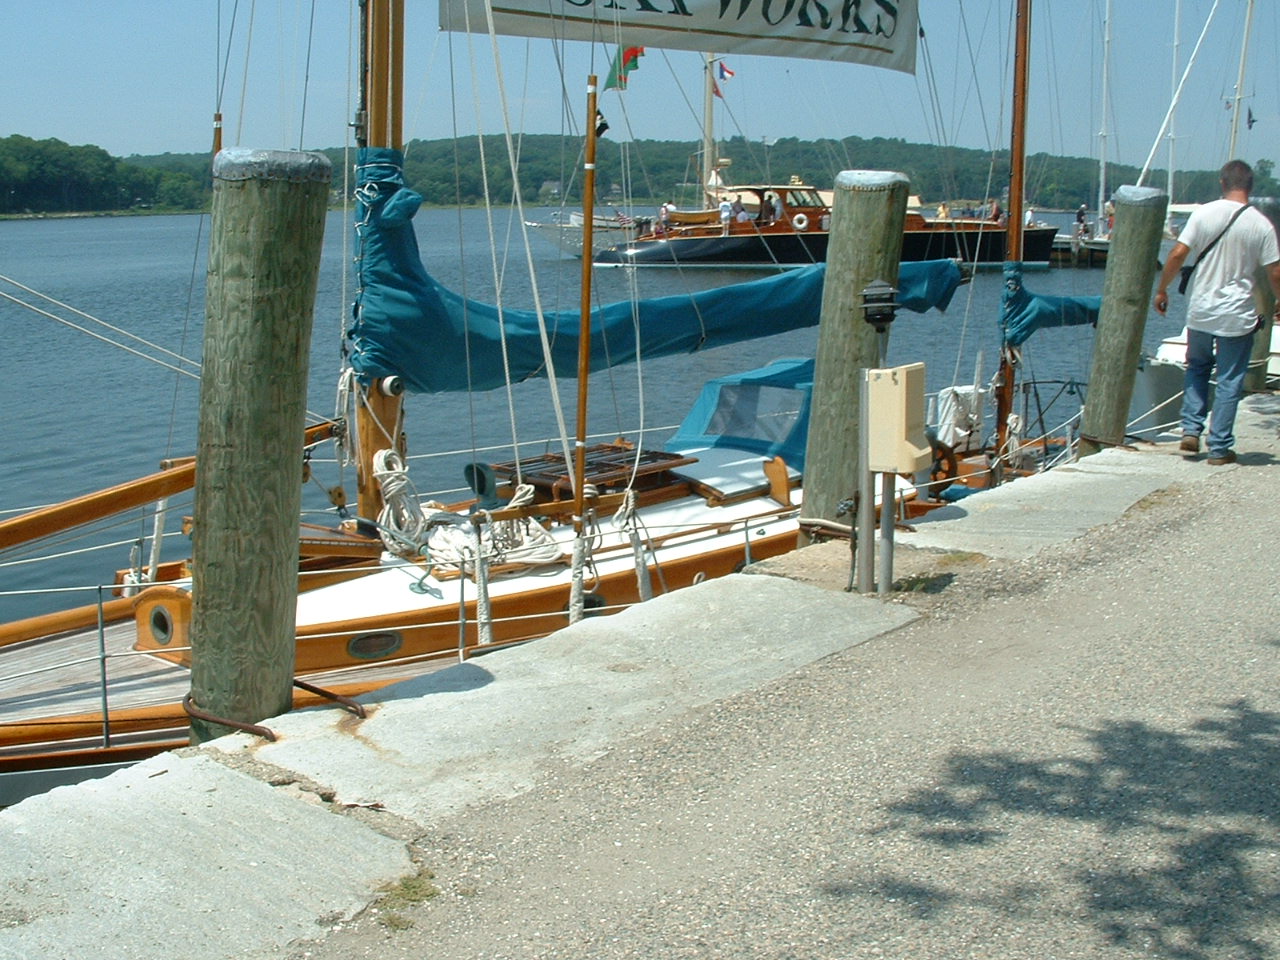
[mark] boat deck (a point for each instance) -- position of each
(42, 678)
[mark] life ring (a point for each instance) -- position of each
(800, 221)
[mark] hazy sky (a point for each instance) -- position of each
(140, 76)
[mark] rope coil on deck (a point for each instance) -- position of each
(443, 536)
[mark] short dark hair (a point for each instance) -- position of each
(1236, 175)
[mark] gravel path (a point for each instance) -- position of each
(1071, 756)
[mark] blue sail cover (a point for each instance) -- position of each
(1022, 313)
(408, 325)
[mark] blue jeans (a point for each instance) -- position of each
(1232, 363)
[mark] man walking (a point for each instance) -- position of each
(1231, 241)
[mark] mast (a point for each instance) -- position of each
(1173, 100)
(1018, 137)
(380, 124)
(584, 320)
(1017, 180)
(1102, 134)
(1244, 50)
(595, 126)
(708, 126)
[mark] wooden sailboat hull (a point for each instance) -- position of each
(967, 241)
(395, 621)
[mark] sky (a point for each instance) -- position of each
(141, 77)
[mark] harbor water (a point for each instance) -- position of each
(83, 414)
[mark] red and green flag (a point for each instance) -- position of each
(627, 59)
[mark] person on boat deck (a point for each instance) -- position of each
(739, 211)
(944, 211)
(726, 214)
(1233, 240)
(1080, 224)
(664, 216)
(997, 214)
(779, 212)
(1029, 217)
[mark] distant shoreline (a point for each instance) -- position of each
(80, 214)
(85, 214)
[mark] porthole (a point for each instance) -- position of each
(161, 625)
(374, 646)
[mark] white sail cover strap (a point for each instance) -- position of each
(880, 33)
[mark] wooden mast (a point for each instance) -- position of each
(594, 126)
(378, 415)
(1013, 233)
(584, 319)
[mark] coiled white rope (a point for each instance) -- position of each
(402, 524)
(442, 536)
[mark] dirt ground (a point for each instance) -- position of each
(1067, 756)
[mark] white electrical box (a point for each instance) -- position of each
(895, 420)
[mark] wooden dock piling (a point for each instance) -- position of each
(264, 259)
(865, 243)
(1126, 298)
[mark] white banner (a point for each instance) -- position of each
(881, 33)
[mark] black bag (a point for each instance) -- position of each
(1185, 277)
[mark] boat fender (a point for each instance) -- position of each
(800, 221)
(391, 386)
(945, 467)
(592, 603)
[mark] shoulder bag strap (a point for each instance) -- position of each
(1235, 216)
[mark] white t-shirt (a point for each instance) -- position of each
(1221, 295)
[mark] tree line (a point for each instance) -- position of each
(50, 176)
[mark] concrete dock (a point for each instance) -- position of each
(1059, 739)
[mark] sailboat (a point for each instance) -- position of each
(1161, 380)
(567, 229)
(961, 460)
(788, 226)
(775, 225)
(541, 541)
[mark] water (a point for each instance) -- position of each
(81, 415)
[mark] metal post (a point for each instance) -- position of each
(866, 494)
(888, 511)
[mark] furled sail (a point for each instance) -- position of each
(881, 34)
(408, 325)
(1022, 313)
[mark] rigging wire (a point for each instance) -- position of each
(306, 75)
(220, 77)
(244, 82)
(179, 366)
(537, 297)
